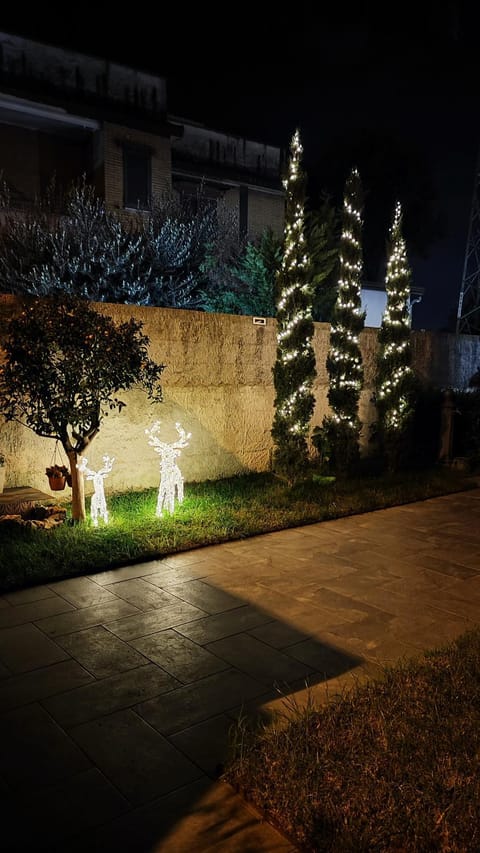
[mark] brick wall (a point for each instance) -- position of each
(114, 136)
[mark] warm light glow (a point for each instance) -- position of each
(344, 360)
(295, 289)
(394, 334)
(171, 480)
(98, 505)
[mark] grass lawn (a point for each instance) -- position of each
(392, 766)
(213, 511)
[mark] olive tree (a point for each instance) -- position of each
(64, 366)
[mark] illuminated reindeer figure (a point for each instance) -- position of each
(170, 475)
(98, 506)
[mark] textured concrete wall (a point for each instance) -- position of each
(218, 384)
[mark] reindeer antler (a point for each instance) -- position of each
(162, 446)
(107, 465)
(184, 437)
(83, 466)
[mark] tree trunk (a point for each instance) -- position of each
(78, 489)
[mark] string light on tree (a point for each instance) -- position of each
(344, 361)
(394, 373)
(294, 369)
(171, 479)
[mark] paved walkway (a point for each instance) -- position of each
(117, 691)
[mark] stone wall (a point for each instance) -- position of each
(218, 384)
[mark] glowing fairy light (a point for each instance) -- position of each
(98, 504)
(294, 369)
(344, 362)
(394, 373)
(171, 480)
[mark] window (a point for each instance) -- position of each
(136, 178)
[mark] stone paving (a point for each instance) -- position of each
(118, 690)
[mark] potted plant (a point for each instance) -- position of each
(58, 475)
(2, 472)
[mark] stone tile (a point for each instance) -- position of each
(26, 596)
(351, 608)
(328, 660)
(24, 647)
(193, 703)
(82, 592)
(177, 655)
(5, 672)
(223, 624)
(156, 620)
(137, 759)
(277, 634)
(142, 595)
(446, 567)
(221, 822)
(258, 660)
(66, 623)
(137, 570)
(112, 694)
(201, 594)
(359, 583)
(424, 581)
(170, 576)
(101, 652)
(186, 558)
(144, 828)
(32, 686)
(44, 819)
(207, 744)
(35, 750)
(33, 610)
(385, 650)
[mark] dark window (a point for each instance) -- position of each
(136, 178)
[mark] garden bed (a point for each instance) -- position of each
(213, 511)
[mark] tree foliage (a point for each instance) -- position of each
(294, 370)
(394, 377)
(65, 365)
(251, 288)
(344, 361)
(72, 244)
(322, 227)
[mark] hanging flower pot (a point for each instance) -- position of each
(57, 477)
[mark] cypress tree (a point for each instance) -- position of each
(394, 379)
(294, 370)
(344, 361)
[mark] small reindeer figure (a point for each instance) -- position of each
(171, 479)
(98, 506)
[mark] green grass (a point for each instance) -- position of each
(392, 766)
(213, 511)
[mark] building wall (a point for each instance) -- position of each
(265, 211)
(113, 137)
(218, 384)
(19, 160)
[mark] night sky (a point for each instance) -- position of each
(392, 91)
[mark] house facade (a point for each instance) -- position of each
(66, 114)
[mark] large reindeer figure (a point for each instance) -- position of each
(98, 506)
(170, 475)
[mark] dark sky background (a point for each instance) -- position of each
(394, 90)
